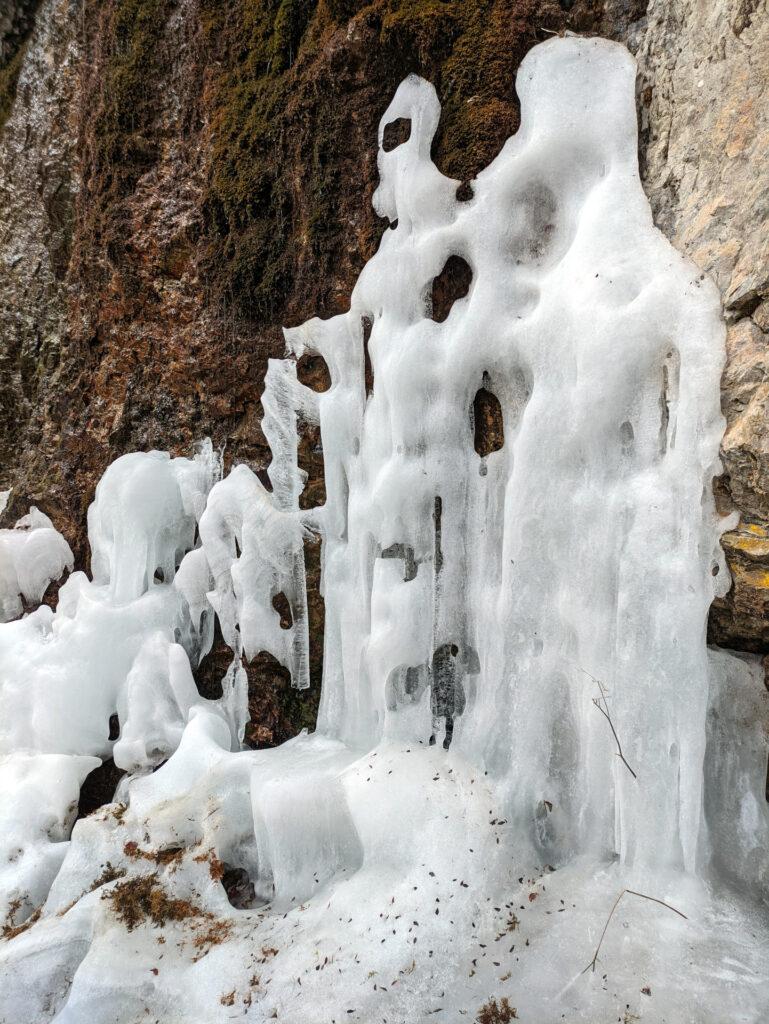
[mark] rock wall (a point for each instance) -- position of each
(704, 103)
(179, 178)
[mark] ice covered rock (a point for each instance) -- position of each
(144, 517)
(32, 554)
(154, 705)
(38, 800)
(254, 549)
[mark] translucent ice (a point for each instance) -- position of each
(504, 618)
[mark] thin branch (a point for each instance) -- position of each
(632, 892)
(605, 712)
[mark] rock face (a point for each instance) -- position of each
(179, 178)
(704, 101)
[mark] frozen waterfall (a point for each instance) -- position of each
(519, 714)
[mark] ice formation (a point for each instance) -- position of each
(497, 626)
(32, 554)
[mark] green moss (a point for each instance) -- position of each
(122, 129)
(288, 79)
(248, 206)
(428, 27)
(288, 28)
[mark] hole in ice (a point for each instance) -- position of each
(447, 697)
(437, 514)
(393, 224)
(368, 370)
(239, 888)
(626, 436)
(405, 552)
(405, 685)
(264, 479)
(671, 368)
(488, 424)
(160, 576)
(310, 460)
(98, 788)
(312, 371)
(715, 569)
(316, 618)
(283, 608)
(114, 727)
(396, 133)
(213, 667)
(267, 681)
(465, 192)
(277, 712)
(452, 284)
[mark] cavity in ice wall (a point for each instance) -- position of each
(498, 625)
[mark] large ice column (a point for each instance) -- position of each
(497, 595)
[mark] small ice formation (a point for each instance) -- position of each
(520, 720)
(32, 555)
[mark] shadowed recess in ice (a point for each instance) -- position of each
(520, 548)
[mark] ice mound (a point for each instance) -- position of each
(505, 616)
(32, 555)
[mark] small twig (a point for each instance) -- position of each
(632, 892)
(605, 712)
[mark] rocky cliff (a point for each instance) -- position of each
(179, 178)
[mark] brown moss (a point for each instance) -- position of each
(10, 931)
(170, 856)
(496, 1013)
(143, 898)
(216, 867)
(213, 934)
(109, 874)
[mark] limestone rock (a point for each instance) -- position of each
(704, 107)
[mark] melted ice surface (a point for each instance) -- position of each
(460, 825)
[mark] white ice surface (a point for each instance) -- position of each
(32, 554)
(460, 825)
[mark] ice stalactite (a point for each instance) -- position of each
(520, 548)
